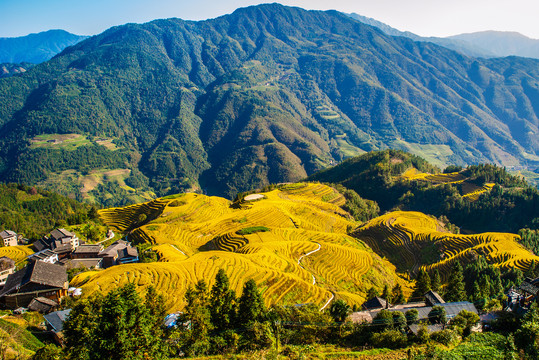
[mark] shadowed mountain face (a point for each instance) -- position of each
(267, 94)
(36, 48)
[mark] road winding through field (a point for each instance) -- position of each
(314, 279)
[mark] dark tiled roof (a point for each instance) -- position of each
(451, 309)
(85, 249)
(49, 274)
(529, 288)
(57, 234)
(42, 244)
(60, 248)
(375, 303)
(4, 234)
(56, 319)
(37, 272)
(433, 298)
(76, 263)
(6, 263)
(42, 304)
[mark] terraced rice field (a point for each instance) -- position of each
(16, 253)
(403, 238)
(195, 235)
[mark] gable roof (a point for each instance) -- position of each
(433, 298)
(4, 234)
(42, 304)
(58, 234)
(529, 288)
(375, 303)
(56, 319)
(42, 244)
(42, 255)
(37, 272)
(451, 309)
(88, 249)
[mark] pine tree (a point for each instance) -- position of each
(222, 303)
(385, 294)
(372, 293)
(397, 295)
(436, 283)
(455, 285)
(422, 284)
(251, 305)
(198, 314)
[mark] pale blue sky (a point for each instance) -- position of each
(423, 17)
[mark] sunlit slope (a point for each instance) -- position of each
(16, 253)
(412, 240)
(295, 246)
(468, 189)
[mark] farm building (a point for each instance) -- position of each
(120, 252)
(37, 279)
(9, 238)
(55, 323)
(7, 267)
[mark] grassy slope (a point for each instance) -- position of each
(195, 235)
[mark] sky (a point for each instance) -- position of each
(422, 17)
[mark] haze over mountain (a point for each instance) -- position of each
(479, 44)
(36, 48)
(267, 94)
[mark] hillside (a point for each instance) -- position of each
(33, 212)
(412, 240)
(292, 241)
(478, 198)
(36, 48)
(267, 94)
(502, 43)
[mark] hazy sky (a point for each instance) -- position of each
(423, 17)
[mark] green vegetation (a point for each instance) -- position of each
(510, 204)
(252, 230)
(34, 212)
(190, 111)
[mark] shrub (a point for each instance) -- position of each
(445, 337)
(391, 339)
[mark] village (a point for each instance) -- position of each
(42, 286)
(41, 282)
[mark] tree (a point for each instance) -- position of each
(412, 316)
(118, 326)
(372, 293)
(437, 315)
(397, 295)
(339, 310)
(455, 290)
(464, 321)
(198, 314)
(251, 305)
(48, 352)
(422, 284)
(399, 320)
(436, 283)
(222, 303)
(383, 320)
(385, 294)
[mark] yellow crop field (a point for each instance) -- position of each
(293, 243)
(414, 240)
(17, 253)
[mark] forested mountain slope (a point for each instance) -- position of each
(267, 94)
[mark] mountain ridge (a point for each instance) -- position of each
(267, 94)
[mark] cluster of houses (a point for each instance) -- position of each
(372, 307)
(43, 282)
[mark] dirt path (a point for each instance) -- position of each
(329, 301)
(309, 253)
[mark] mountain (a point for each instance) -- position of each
(487, 44)
(502, 43)
(36, 48)
(454, 43)
(267, 94)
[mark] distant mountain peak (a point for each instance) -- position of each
(37, 47)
